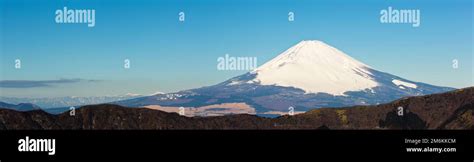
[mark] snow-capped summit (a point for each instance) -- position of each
(311, 74)
(314, 66)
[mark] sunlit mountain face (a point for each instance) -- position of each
(309, 75)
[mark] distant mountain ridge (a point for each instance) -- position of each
(67, 101)
(20, 106)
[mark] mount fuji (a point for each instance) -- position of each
(309, 75)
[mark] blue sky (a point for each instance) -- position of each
(167, 55)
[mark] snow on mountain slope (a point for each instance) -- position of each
(309, 75)
(314, 67)
(402, 83)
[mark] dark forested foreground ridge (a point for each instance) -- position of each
(450, 110)
(378, 141)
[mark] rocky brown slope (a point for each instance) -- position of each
(451, 110)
